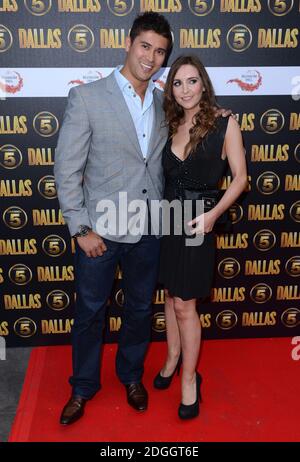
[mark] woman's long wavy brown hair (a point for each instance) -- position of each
(204, 121)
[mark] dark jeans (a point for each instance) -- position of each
(94, 280)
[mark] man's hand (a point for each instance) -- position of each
(92, 244)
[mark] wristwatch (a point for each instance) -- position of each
(83, 230)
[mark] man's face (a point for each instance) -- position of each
(145, 56)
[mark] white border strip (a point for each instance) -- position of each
(227, 81)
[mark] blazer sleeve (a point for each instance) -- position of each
(70, 160)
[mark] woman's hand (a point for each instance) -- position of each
(204, 223)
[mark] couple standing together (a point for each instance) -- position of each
(123, 134)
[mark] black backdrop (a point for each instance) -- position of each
(251, 50)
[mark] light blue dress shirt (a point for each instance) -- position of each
(142, 113)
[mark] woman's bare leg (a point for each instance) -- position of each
(190, 336)
(173, 337)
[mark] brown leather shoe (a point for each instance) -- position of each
(73, 410)
(137, 396)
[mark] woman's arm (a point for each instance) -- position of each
(234, 149)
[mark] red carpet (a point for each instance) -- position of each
(250, 390)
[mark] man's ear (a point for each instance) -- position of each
(127, 44)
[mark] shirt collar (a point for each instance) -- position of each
(125, 84)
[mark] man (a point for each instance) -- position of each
(111, 141)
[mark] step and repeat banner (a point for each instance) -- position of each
(251, 51)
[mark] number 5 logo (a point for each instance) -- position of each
(120, 7)
(38, 7)
(280, 7)
(200, 7)
(239, 38)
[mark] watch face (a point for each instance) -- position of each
(83, 230)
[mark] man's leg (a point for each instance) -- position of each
(140, 266)
(94, 279)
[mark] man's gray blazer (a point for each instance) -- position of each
(98, 155)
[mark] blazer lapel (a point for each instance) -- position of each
(122, 112)
(158, 123)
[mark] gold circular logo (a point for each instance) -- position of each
(239, 38)
(81, 38)
(120, 7)
(268, 183)
(14, 217)
(264, 240)
(47, 188)
(235, 213)
(119, 298)
(201, 8)
(272, 121)
(280, 8)
(20, 274)
(58, 300)
(45, 124)
(25, 327)
(6, 38)
(229, 268)
(292, 266)
(297, 152)
(159, 322)
(291, 317)
(54, 245)
(260, 293)
(10, 156)
(226, 319)
(38, 7)
(295, 211)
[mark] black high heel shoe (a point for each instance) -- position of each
(192, 410)
(161, 383)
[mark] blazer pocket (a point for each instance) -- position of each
(112, 169)
(113, 179)
(115, 183)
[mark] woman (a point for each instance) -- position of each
(197, 152)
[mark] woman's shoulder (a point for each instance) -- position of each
(223, 121)
(227, 124)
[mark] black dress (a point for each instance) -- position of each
(187, 272)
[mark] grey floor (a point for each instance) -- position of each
(12, 374)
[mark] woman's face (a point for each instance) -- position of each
(188, 87)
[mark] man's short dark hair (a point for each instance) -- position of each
(152, 21)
